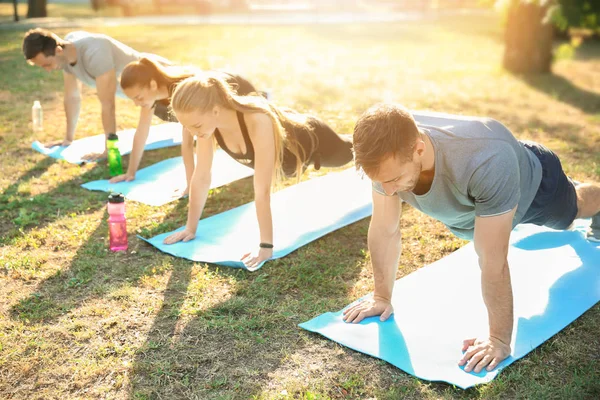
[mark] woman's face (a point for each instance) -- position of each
(199, 124)
(142, 96)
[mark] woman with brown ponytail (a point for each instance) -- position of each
(258, 134)
(150, 85)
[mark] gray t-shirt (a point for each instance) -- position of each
(98, 54)
(481, 169)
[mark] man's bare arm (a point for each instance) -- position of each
(72, 104)
(491, 241)
(106, 85)
(384, 246)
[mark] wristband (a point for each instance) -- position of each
(266, 245)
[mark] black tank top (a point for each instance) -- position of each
(246, 159)
(288, 163)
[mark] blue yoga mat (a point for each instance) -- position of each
(163, 135)
(164, 181)
(301, 213)
(555, 279)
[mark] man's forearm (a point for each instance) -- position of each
(497, 294)
(385, 254)
(109, 119)
(72, 106)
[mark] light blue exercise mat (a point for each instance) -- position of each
(555, 278)
(163, 135)
(165, 181)
(301, 214)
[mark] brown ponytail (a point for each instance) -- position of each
(140, 73)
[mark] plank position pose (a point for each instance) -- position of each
(95, 60)
(150, 85)
(256, 133)
(477, 179)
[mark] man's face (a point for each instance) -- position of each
(398, 175)
(49, 63)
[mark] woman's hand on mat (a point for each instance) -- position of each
(252, 260)
(369, 308)
(181, 236)
(121, 178)
(63, 142)
(480, 353)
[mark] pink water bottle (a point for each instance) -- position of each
(117, 225)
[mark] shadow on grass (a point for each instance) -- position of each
(589, 50)
(564, 91)
(35, 212)
(25, 212)
(569, 133)
(91, 272)
(87, 265)
(230, 349)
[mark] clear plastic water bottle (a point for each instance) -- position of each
(117, 225)
(37, 116)
(115, 166)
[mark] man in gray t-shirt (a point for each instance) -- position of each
(476, 178)
(482, 171)
(95, 60)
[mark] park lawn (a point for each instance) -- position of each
(59, 10)
(79, 322)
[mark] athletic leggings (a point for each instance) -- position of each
(332, 150)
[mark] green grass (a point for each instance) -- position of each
(77, 321)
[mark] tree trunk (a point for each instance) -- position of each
(36, 9)
(528, 38)
(97, 4)
(16, 11)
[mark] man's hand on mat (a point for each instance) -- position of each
(63, 142)
(369, 308)
(94, 156)
(480, 354)
(121, 178)
(181, 236)
(251, 260)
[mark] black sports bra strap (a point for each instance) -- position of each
(245, 134)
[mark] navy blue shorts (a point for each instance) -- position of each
(555, 202)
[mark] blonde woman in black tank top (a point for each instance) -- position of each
(273, 142)
(150, 85)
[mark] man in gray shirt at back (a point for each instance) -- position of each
(480, 181)
(93, 59)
